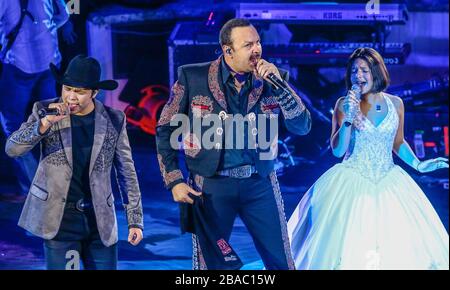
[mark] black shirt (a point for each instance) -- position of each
(82, 140)
(237, 104)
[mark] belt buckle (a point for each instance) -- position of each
(241, 172)
(80, 205)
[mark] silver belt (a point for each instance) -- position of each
(244, 171)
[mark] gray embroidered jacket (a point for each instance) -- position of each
(44, 206)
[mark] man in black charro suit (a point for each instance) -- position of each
(232, 179)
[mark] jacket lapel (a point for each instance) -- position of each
(65, 132)
(100, 128)
(218, 94)
(214, 84)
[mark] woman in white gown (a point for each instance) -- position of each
(367, 212)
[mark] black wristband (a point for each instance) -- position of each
(347, 124)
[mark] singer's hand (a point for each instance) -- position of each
(350, 106)
(264, 68)
(432, 164)
(63, 110)
(180, 193)
(49, 120)
(135, 236)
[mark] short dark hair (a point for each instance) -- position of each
(225, 31)
(377, 67)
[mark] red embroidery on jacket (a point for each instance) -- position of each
(224, 247)
(191, 145)
(201, 106)
(171, 176)
(172, 106)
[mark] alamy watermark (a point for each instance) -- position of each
(73, 6)
(373, 7)
(74, 260)
(253, 132)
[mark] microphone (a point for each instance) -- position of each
(48, 112)
(277, 81)
(357, 90)
(272, 77)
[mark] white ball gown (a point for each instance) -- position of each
(367, 212)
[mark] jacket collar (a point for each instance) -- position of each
(216, 87)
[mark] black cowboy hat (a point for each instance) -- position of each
(83, 72)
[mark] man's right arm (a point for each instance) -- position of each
(27, 136)
(168, 156)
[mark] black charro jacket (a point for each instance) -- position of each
(198, 95)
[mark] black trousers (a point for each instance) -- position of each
(78, 243)
(257, 201)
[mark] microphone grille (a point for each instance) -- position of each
(356, 88)
(42, 113)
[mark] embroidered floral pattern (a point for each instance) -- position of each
(135, 217)
(201, 106)
(105, 157)
(58, 158)
(291, 104)
(191, 145)
(198, 261)
(171, 176)
(299, 102)
(172, 106)
(371, 155)
(283, 223)
(213, 83)
(26, 135)
(53, 150)
(51, 144)
(269, 106)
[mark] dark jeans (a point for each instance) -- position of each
(78, 242)
(17, 90)
(254, 200)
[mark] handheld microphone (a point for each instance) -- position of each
(272, 77)
(357, 90)
(277, 81)
(48, 112)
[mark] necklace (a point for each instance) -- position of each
(378, 106)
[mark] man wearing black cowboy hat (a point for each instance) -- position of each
(70, 203)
